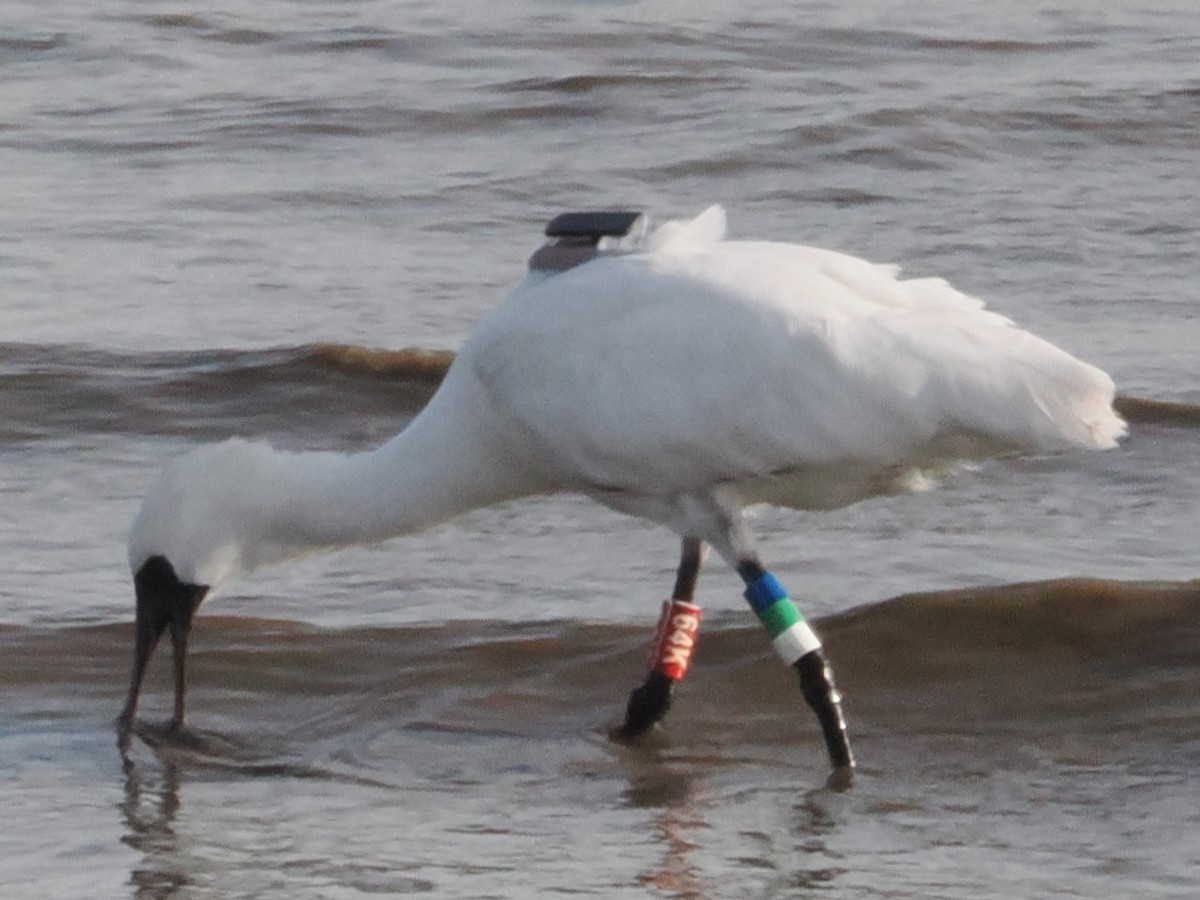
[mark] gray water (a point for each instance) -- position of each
(186, 186)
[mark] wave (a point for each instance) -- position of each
(335, 395)
(412, 363)
(1102, 655)
(1144, 411)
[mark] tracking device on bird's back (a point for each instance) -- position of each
(582, 236)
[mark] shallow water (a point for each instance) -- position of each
(1022, 740)
(228, 220)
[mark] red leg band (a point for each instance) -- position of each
(675, 641)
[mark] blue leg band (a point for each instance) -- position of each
(764, 593)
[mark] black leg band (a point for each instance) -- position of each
(816, 684)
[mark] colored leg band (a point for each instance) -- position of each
(791, 636)
(675, 641)
(798, 641)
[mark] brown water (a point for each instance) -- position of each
(232, 220)
(1025, 741)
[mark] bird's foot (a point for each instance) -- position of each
(648, 703)
(840, 779)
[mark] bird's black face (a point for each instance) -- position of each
(163, 602)
(162, 599)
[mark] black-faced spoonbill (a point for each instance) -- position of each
(680, 378)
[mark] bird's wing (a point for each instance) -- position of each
(701, 362)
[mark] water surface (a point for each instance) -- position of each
(228, 221)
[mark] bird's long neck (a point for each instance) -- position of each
(417, 480)
(446, 462)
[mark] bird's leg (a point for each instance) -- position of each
(800, 647)
(674, 643)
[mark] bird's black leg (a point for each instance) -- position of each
(674, 643)
(799, 646)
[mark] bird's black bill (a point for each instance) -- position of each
(163, 602)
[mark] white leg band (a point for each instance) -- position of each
(796, 641)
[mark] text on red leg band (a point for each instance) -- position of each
(675, 640)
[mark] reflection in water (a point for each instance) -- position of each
(799, 853)
(151, 801)
(810, 828)
(149, 808)
(672, 793)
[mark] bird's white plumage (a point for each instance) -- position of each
(679, 381)
(706, 362)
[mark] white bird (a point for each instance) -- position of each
(681, 380)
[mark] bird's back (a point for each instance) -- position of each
(702, 361)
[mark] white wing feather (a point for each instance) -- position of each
(701, 361)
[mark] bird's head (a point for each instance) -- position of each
(202, 513)
(164, 603)
(188, 539)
